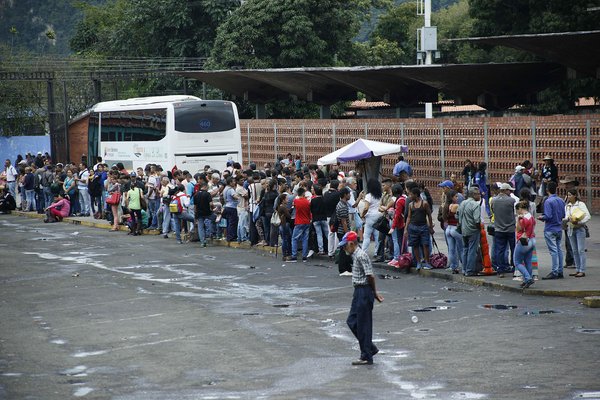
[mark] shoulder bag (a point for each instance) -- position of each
(275, 219)
(143, 202)
(405, 259)
(437, 260)
(382, 225)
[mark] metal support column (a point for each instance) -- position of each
(248, 133)
(66, 113)
(97, 90)
(442, 152)
(333, 132)
(402, 133)
(325, 112)
(303, 143)
(366, 131)
(275, 141)
(485, 143)
(261, 111)
(533, 144)
(588, 163)
(51, 119)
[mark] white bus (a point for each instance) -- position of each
(181, 131)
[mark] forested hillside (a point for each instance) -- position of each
(43, 27)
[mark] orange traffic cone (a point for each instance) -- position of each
(485, 254)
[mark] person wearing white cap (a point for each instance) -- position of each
(504, 232)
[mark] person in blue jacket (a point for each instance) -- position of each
(481, 182)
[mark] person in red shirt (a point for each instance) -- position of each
(397, 228)
(525, 242)
(301, 225)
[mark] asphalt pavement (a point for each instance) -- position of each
(567, 287)
(88, 313)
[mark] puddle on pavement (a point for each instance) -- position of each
(588, 331)
(541, 312)
(423, 330)
(588, 395)
(448, 301)
(250, 313)
(281, 305)
(497, 307)
(433, 308)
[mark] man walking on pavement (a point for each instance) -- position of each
(469, 220)
(554, 212)
(360, 319)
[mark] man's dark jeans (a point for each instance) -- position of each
(231, 215)
(360, 320)
(501, 240)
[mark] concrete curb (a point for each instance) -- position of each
(481, 281)
(439, 274)
(592, 301)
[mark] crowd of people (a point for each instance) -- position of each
(308, 209)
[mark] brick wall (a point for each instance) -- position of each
(78, 139)
(509, 142)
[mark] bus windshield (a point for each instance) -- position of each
(204, 116)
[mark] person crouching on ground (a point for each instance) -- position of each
(360, 318)
(56, 211)
(7, 201)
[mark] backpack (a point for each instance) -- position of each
(94, 186)
(175, 205)
(275, 219)
(37, 181)
(334, 223)
(47, 179)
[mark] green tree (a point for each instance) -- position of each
(499, 17)
(378, 51)
(289, 33)
(167, 28)
(399, 25)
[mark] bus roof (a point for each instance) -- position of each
(142, 102)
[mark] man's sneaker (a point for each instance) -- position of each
(362, 362)
(346, 273)
(427, 266)
(179, 242)
(203, 244)
(321, 253)
(304, 259)
(166, 236)
(310, 254)
(293, 260)
(394, 263)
